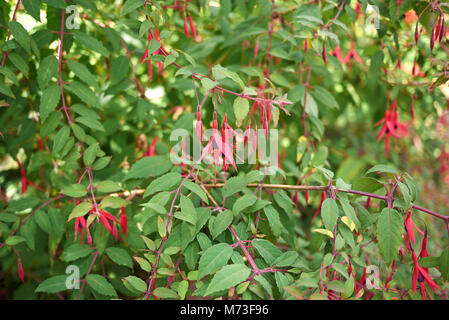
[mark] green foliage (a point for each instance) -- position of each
(100, 197)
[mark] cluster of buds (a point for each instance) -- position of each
(145, 55)
(438, 29)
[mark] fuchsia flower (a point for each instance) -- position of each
(421, 274)
(186, 28)
(25, 182)
(219, 145)
(390, 127)
(123, 220)
(352, 54)
(80, 221)
(337, 54)
(150, 151)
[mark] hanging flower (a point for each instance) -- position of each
(390, 127)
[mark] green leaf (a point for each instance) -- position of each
(329, 213)
(349, 212)
(91, 123)
(108, 186)
(80, 210)
(228, 276)
(84, 93)
(241, 109)
(267, 250)
(13, 240)
(4, 89)
(234, 185)
(444, 264)
(389, 229)
(101, 285)
(113, 202)
(273, 220)
(47, 69)
(119, 69)
(83, 73)
(208, 84)
(130, 6)
(222, 222)
(78, 132)
(53, 285)
(153, 46)
(243, 202)
(74, 252)
(214, 258)
(120, 256)
(165, 293)
(182, 289)
(49, 100)
(21, 35)
(188, 212)
(136, 283)
(91, 43)
(325, 97)
(166, 182)
(33, 8)
(286, 259)
(101, 163)
(90, 154)
(19, 63)
(74, 190)
(197, 190)
(382, 169)
(149, 166)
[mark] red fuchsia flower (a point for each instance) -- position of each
(337, 54)
(20, 269)
(398, 3)
(219, 146)
(352, 54)
(390, 127)
(25, 182)
(150, 151)
(192, 27)
(357, 10)
(186, 28)
(123, 220)
(80, 221)
(410, 227)
(421, 275)
(105, 217)
(256, 48)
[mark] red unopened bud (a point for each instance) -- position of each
(324, 54)
(192, 27)
(123, 220)
(256, 48)
(442, 30)
(20, 269)
(416, 33)
(186, 28)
